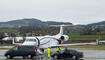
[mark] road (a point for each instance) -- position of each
(88, 55)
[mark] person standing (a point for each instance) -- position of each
(57, 49)
(48, 52)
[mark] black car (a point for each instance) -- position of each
(67, 54)
(24, 51)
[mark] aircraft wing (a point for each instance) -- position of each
(75, 44)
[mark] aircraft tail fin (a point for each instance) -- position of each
(61, 28)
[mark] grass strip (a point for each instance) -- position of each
(91, 47)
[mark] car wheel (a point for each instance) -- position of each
(55, 56)
(29, 56)
(9, 57)
(74, 57)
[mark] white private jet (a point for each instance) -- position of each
(19, 40)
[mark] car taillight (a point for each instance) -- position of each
(34, 49)
(81, 53)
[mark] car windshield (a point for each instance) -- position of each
(15, 48)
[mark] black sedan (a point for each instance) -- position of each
(67, 54)
(25, 51)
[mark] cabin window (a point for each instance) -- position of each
(31, 40)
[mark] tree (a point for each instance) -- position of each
(23, 32)
(1, 37)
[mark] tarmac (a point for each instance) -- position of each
(88, 55)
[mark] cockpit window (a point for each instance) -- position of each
(34, 40)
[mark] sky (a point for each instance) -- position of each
(74, 11)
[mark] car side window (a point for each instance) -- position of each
(26, 48)
(72, 51)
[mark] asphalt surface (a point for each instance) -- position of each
(88, 55)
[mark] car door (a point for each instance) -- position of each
(61, 54)
(71, 53)
(20, 51)
(68, 54)
(65, 55)
(14, 51)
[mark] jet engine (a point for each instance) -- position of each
(63, 38)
